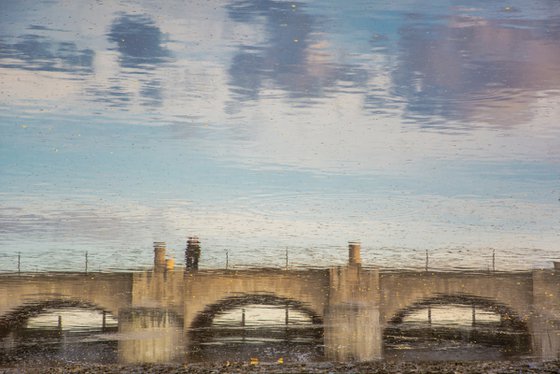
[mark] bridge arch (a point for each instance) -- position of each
(17, 317)
(400, 290)
(205, 318)
(109, 292)
(295, 335)
(511, 335)
(505, 312)
(211, 291)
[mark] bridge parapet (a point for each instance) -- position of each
(110, 292)
(159, 289)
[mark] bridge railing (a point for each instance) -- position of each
(77, 261)
(231, 257)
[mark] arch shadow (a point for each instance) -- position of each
(17, 317)
(506, 313)
(510, 336)
(286, 342)
(205, 318)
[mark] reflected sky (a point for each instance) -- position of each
(138, 41)
(35, 52)
(267, 124)
(293, 55)
(466, 68)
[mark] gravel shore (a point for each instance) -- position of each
(367, 367)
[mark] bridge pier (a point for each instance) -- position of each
(149, 335)
(352, 321)
(544, 322)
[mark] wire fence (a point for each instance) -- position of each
(443, 259)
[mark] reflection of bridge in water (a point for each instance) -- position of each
(353, 304)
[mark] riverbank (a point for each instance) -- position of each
(464, 367)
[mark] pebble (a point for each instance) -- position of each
(501, 367)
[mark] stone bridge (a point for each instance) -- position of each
(354, 304)
(109, 292)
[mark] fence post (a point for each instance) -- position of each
(19, 263)
(427, 259)
(86, 262)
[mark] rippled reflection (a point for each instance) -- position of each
(266, 332)
(470, 330)
(342, 313)
(39, 53)
(138, 41)
(473, 69)
(272, 126)
(293, 55)
(56, 335)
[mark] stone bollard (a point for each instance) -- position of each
(354, 255)
(159, 256)
(556, 265)
(169, 264)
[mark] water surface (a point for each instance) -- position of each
(266, 125)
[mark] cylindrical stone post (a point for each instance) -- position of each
(556, 265)
(169, 264)
(159, 256)
(354, 255)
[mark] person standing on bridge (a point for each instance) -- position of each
(192, 253)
